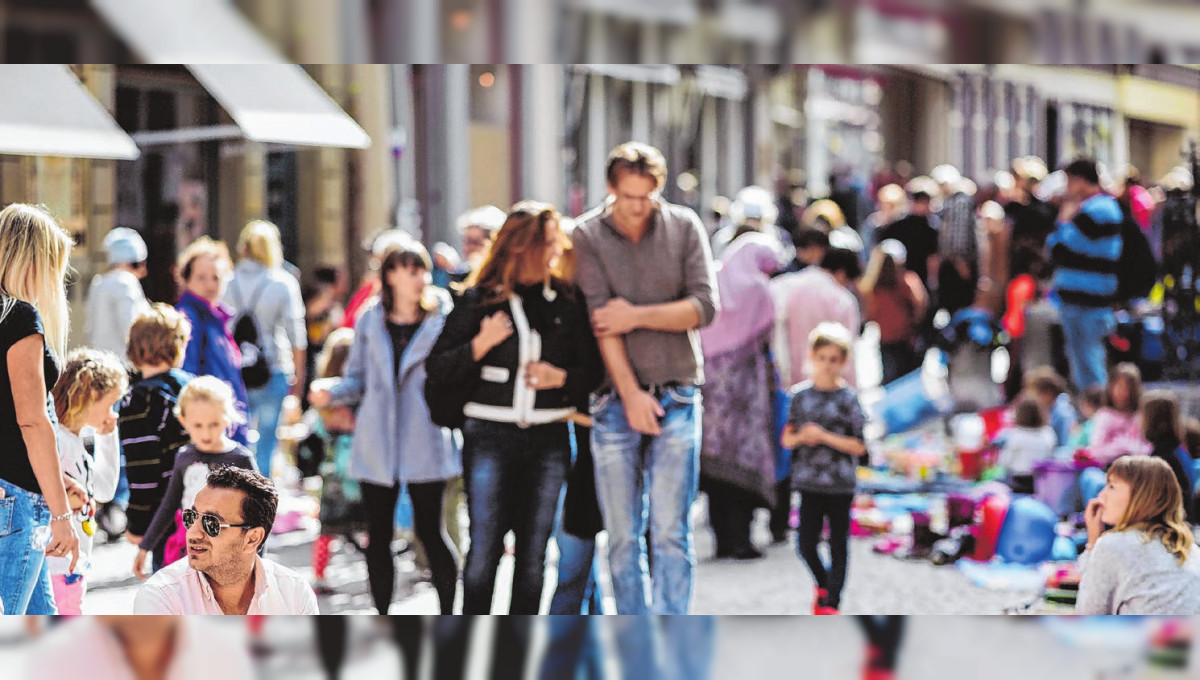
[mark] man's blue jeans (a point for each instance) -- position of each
(24, 577)
(664, 647)
(1085, 330)
(642, 479)
(265, 406)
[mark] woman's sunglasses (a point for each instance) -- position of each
(210, 524)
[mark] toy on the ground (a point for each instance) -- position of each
(1028, 534)
(992, 512)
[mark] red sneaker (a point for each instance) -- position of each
(819, 598)
(878, 674)
(826, 611)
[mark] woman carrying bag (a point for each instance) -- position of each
(516, 360)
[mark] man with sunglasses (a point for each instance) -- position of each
(224, 572)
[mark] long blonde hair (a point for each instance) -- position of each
(1155, 503)
(260, 241)
(35, 255)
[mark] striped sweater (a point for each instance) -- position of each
(150, 437)
(1086, 253)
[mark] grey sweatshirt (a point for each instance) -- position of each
(1127, 572)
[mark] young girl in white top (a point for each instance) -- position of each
(85, 399)
(1028, 441)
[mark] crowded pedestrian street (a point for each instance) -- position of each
(868, 342)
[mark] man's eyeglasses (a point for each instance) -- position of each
(210, 524)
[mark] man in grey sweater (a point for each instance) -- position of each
(645, 268)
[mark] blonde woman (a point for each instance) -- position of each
(269, 295)
(35, 512)
(204, 268)
(1148, 562)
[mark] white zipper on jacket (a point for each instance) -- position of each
(529, 351)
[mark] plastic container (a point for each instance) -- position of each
(906, 404)
(1052, 479)
(992, 513)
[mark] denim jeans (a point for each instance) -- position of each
(574, 650)
(513, 480)
(25, 586)
(265, 406)
(642, 479)
(1085, 330)
(665, 647)
(577, 591)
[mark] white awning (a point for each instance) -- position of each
(181, 31)
(722, 81)
(659, 74)
(46, 111)
(676, 12)
(280, 104)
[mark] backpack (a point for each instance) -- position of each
(1139, 269)
(256, 370)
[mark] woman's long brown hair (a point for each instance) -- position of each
(519, 246)
(1155, 503)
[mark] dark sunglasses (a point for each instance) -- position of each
(210, 524)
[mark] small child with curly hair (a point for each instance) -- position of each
(85, 399)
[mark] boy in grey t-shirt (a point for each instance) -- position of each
(825, 431)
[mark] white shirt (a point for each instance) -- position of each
(105, 468)
(114, 300)
(86, 648)
(1024, 446)
(180, 589)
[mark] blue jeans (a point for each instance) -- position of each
(513, 480)
(1085, 330)
(265, 406)
(642, 479)
(665, 647)
(24, 578)
(576, 592)
(574, 650)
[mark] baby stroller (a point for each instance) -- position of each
(972, 342)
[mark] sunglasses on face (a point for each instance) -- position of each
(210, 524)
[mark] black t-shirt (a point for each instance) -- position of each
(920, 239)
(402, 334)
(21, 322)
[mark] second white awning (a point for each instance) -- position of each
(280, 104)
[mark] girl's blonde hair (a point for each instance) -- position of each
(89, 375)
(260, 241)
(212, 390)
(1155, 503)
(35, 255)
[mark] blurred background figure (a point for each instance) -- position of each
(115, 297)
(477, 229)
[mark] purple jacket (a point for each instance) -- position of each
(212, 351)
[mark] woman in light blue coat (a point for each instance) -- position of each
(395, 442)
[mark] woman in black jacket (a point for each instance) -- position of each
(519, 349)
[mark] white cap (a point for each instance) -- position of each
(389, 239)
(754, 203)
(489, 218)
(124, 246)
(946, 174)
(896, 249)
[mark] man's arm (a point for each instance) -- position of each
(641, 409)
